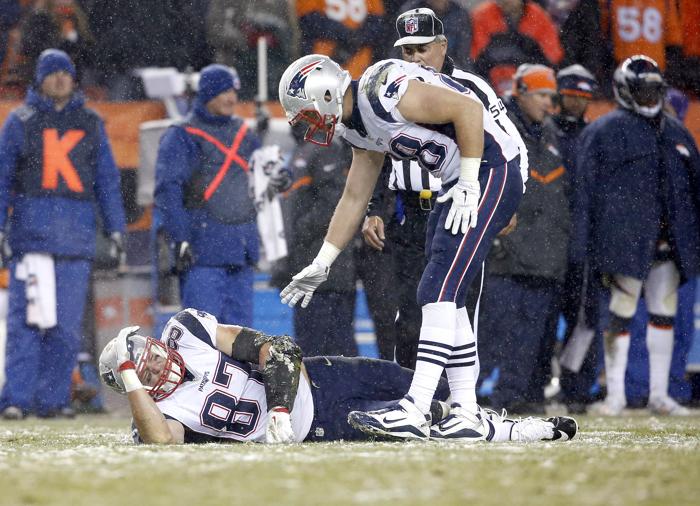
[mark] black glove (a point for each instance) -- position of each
(279, 183)
(5, 251)
(262, 118)
(184, 258)
(116, 249)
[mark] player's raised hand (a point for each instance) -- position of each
(123, 346)
(304, 284)
(465, 204)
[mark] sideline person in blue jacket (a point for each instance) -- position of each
(637, 222)
(204, 202)
(56, 170)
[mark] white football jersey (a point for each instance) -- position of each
(377, 125)
(222, 397)
(408, 175)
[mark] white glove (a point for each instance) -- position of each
(279, 427)
(465, 204)
(268, 159)
(124, 347)
(304, 284)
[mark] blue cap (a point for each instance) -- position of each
(50, 61)
(216, 79)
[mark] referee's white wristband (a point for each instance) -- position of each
(327, 254)
(131, 380)
(469, 169)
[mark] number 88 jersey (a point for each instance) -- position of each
(222, 397)
(377, 124)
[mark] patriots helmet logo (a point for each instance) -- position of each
(296, 85)
(411, 25)
(392, 90)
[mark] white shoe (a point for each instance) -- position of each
(439, 410)
(608, 407)
(279, 427)
(532, 429)
(402, 420)
(462, 425)
(667, 406)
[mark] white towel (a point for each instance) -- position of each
(266, 163)
(39, 276)
(576, 349)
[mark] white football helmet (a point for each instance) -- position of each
(147, 353)
(311, 91)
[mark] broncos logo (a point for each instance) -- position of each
(393, 89)
(296, 85)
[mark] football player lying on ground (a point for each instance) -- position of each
(205, 382)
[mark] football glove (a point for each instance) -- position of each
(5, 250)
(279, 182)
(262, 118)
(116, 248)
(465, 204)
(304, 284)
(184, 258)
(279, 427)
(123, 348)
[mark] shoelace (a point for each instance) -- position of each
(531, 425)
(494, 415)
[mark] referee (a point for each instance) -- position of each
(422, 41)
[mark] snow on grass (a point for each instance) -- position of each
(90, 460)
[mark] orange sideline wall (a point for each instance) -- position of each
(122, 120)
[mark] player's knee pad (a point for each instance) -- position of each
(624, 296)
(661, 289)
(664, 304)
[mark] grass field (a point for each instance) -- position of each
(636, 460)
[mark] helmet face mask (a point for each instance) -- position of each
(320, 130)
(647, 94)
(311, 92)
(172, 373)
(160, 369)
(640, 86)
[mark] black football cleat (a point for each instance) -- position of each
(565, 428)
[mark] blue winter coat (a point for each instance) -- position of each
(180, 159)
(43, 220)
(633, 172)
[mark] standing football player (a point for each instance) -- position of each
(413, 112)
(422, 40)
